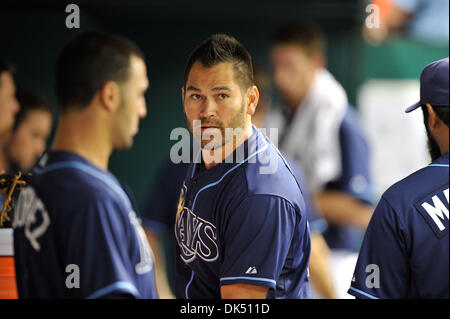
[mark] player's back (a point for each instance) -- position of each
(422, 202)
(75, 236)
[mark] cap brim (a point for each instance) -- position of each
(413, 107)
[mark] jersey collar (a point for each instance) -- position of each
(444, 159)
(252, 144)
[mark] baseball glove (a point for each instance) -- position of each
(10, 186)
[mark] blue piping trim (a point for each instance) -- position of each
(250, 278)
(439, 165)
(108, 181)
(363, 293)
(187, 286)
(229, 171)
(117, 286)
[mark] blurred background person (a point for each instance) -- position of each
(8, 107)
(319, 129)
(319, 261)
(30, 132)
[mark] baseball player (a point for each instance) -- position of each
(405, 252)
(76, 233)
(241, 230)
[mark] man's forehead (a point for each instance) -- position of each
(217, 76)
(138, 70)
(288, 49)
(6, 80)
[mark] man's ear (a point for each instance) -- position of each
(110, 96)
(183, 95)
(433, 119)
(252, 99)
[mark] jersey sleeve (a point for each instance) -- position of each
(382, 268)
(256, 241)
(98, 244)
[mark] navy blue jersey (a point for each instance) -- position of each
(240, 223)
(354, 180)
(158, 212)
(76, 220)
(405, 252)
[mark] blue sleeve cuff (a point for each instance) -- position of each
(256, 281)
(119, 286)
(360, 294)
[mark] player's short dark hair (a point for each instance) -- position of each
(442, 113)
(87, 62)
(29, 101)
(221, 48)
(6, 66)
(307, 35)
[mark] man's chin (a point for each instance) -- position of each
(125, 145)
(210, 145)
(433, 147)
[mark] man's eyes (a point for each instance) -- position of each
(195, 97)
(221, 96)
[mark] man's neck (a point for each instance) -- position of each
(82, 138)
(442, 139)
(3, 161)
(213, 157)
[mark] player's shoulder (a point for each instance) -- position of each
(421, 183)
(270, 175)
(70, 179)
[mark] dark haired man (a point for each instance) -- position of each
(30, 131)
(241, 230)
(318, 128)
(76, 233)
(405, 252)
(8, 107)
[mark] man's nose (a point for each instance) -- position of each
(143, 111)
(209, 108)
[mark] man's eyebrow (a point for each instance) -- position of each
(193, 88)
(222, 88)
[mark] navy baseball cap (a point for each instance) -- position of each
(433, 85)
